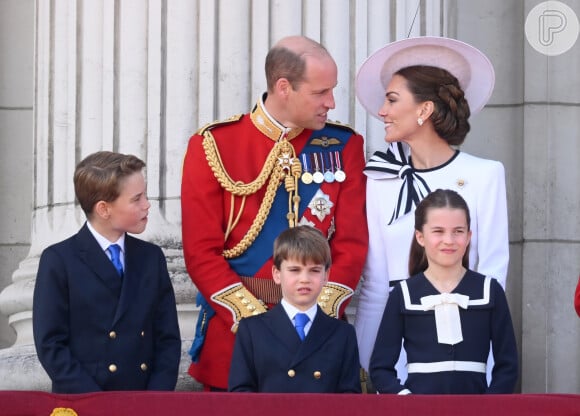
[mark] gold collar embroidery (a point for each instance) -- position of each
(269, 126)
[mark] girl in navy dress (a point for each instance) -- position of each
(445, 314)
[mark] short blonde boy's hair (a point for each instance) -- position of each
(303, 243)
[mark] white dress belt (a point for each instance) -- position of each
(436, 367)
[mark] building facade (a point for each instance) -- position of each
(141, 76)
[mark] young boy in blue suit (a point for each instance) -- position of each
(326, 360)
(104, 318)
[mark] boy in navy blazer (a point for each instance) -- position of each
(104, 318)
(269, 355)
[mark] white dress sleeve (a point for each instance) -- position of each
(374, 290)
(492, 225)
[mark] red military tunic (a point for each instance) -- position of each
(236, 153)
(577, 297)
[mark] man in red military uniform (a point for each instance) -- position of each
(248, 178)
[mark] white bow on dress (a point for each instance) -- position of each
(447, 320)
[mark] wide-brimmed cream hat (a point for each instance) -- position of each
(469, 65)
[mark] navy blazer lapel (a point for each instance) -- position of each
(96, 260)
(322, 328)
(282, 327)
(134, 263)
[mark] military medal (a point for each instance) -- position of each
(317, 177)
(320, 205)
(328, 174)
(306, 176)
(339, 174)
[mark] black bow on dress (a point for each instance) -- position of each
(396, 163)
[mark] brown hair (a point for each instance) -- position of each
(287, 59)
(451, 110)
(441, 198)
(98, 177)
(303, 243)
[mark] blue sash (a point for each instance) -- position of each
(260, 251)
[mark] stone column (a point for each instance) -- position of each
(115, 76)
(140, 77)
(551, 202)
(496, 131)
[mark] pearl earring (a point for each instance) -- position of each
(420, 121)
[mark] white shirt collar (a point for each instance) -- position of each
(291, 310)
(104, 243)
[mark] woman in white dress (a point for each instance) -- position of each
(424, 90)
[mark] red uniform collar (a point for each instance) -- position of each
(269, 126)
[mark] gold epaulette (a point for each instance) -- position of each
(332, 297)
(341, 126)
(240, 302)
(217, 123)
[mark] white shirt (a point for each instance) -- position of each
(291, 311)
(104, 243)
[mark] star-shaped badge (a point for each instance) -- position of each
(320, 205)
(285, 161)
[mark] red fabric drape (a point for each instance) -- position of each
(21, 403)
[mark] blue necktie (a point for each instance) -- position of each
(300, 321)
(115, 252)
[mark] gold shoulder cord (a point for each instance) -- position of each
(288, 169)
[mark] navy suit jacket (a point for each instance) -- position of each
(94, 330)
(269, 356)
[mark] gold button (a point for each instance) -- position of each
(144, 367)
(291, 373)
(112, 335)
(142, 333)
(317, 375)
(112, 368)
